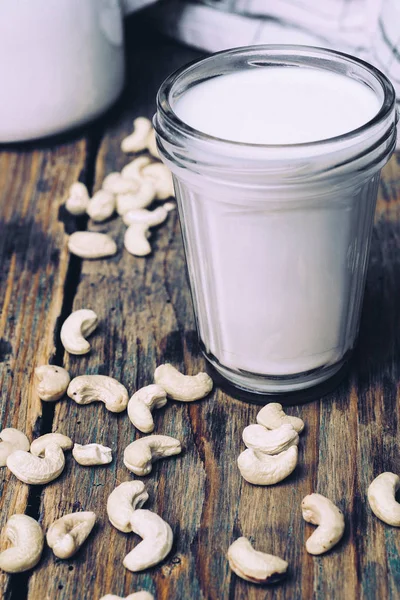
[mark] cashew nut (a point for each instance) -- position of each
(143, 197)
(39, 445)
(142, 595)
(91, 245)
(255, 566)
(80, 324)
(66, 535)
(133, 170)
(141, 405)
(161, 176)
(123, 501)
(78, 199)
(99, 388)
(135, 240)
(101, 206)
(35, 470)
(116, 184)
(320, 511)
(272, 416)
(152, 144)
(157, 541)
(263, 469)
(137, 141)
(140, 454)
(169, 206)
(181, 387)
(270, 441)
(381, 498)
(92, 454)
(12, 440)
(150, 218)
(51, 382)
(27, 538)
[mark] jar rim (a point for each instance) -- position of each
(361, 151)
(282, 51)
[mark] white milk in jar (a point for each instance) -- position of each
(280, 105)
(276, 225)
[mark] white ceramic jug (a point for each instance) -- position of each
(61, 64)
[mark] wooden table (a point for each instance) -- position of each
(146, 318)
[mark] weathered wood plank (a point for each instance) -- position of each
(137, 324)
(377, 386)
(34, 261)
(146, 318)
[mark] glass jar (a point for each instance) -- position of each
(276, 237)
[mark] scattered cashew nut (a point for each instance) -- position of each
(34, 470)
(12, 440)
(161, 176)
(272, 416)
(92, 454)
(51, 382)
(137, 141)
(101, 206)
(255, 566)
(150, 218)
(142, 595)
(133, 170)
(381, 498)
(270, 441)
(135, 240)
(80, 324)
(39, 445)
(169, 206)
(123, 501)
(320, 511)
(91, 245)
(86, 389)
(66, 535)
(27, 538)
(140, 454)
(141, 198)
(263, 469)
(141, 405)
(157, 541)
(78, 199)
(116, 184)
(181, 387)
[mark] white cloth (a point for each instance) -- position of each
(369, 29)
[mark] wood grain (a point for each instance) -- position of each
(34, 261)
(146, 318)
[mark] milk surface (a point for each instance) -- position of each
(278, 105)
(277, 282)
